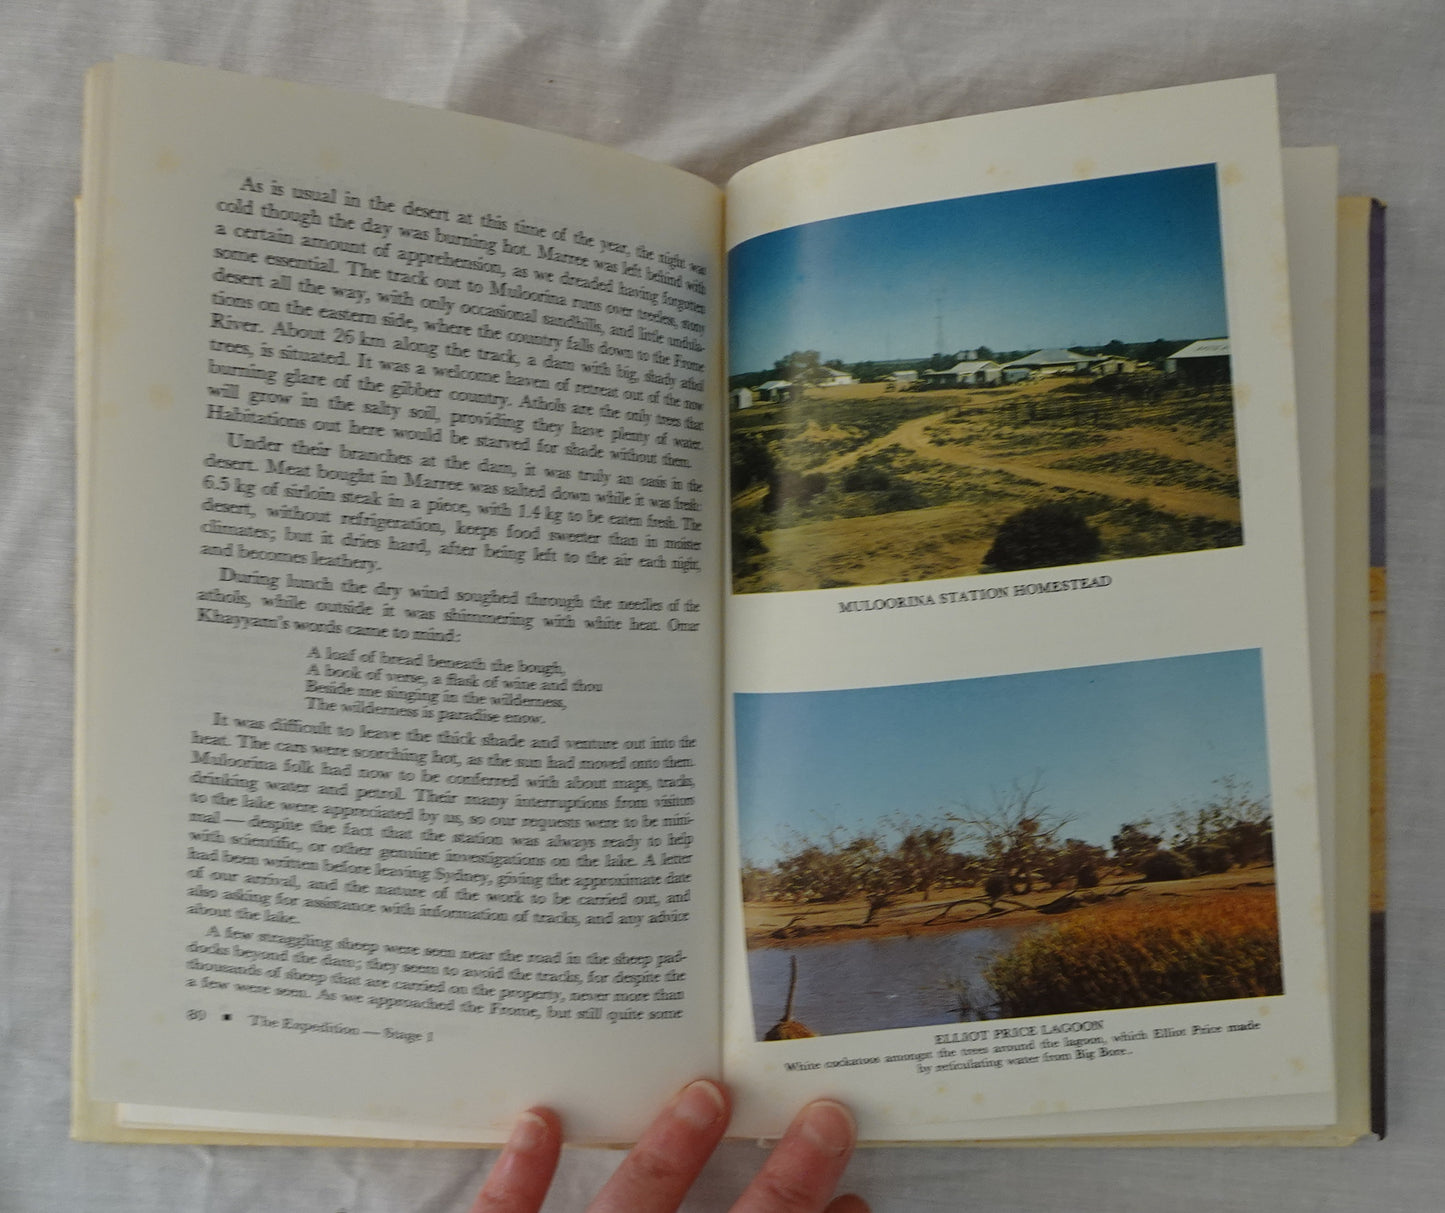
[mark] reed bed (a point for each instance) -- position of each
(1143, 956)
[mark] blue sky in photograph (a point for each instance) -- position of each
(1108, 743)
(1079, 263)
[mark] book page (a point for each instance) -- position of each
(1022, 761)
(399, 617)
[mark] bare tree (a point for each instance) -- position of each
(836, 868)
(1018, 833)
(873, 871)
(1233, 821)
(924, 856)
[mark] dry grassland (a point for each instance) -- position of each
(772, 924)
(875, 487)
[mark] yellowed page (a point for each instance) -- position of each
(1156, 664)
(399, 619)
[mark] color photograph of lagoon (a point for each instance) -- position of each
(1057, 842)
(1025, 379)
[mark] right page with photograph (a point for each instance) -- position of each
(1022, 768)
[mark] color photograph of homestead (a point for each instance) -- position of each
(1056, 842)
(874, 440)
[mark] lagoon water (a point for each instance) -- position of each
(861, 985)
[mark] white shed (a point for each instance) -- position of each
(1201, 362)
(1055, 362)
(965, 374)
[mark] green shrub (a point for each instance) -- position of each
(1208, 858)
(867, 480)
(900, 497)
(1042, 536)
(751, 461)
(1166, 865)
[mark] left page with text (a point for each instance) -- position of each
(397, 732)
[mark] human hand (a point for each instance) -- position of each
(798, 1177)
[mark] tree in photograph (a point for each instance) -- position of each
(1043, 536)
(964, 870)
(1019, 835)
(1232, 827)
(873, 873)
(801, 366)
(812, 873)
(1166, 865)
(757, 882)
(1133, 843)
(1249, 832)
(969, 871)
(862, 478)
(1076, 860)
(751, 460)
(995, 885)
(836, 868)
(1157, 350)
(924, 856)
(1251, 841)
(1207, 858)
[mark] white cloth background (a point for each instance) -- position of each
(710, 87)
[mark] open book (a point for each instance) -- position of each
(457, 732)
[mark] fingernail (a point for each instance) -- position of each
(700, 1104)
(529, 1134)
(828, 1125)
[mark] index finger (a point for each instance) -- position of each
(657, 1172)
(519, 1179)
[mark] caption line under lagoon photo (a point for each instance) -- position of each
(1054, 842)
(1005, 381)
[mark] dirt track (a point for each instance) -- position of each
(971, 463)
(912, 436)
